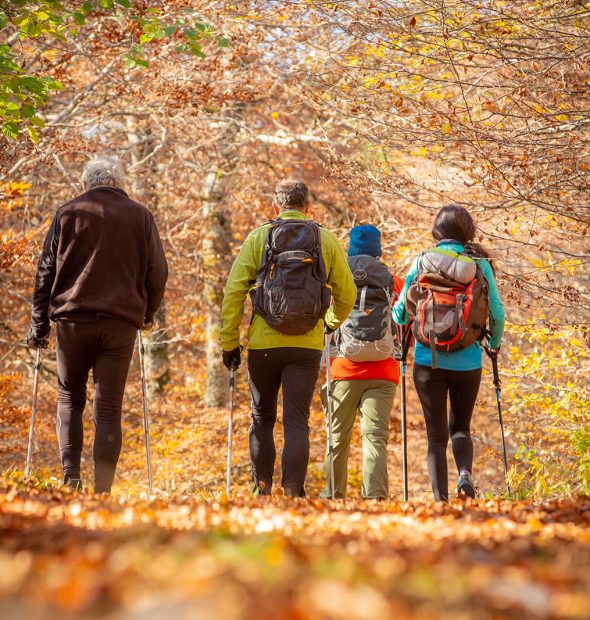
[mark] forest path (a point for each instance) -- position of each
(193, 552)
(76, 556)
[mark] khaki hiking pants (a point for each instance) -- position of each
(373, 399)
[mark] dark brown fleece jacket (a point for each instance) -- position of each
(102, 255)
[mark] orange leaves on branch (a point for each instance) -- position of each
(12, 195)
(492, 107)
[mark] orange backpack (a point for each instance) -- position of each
(449, 300)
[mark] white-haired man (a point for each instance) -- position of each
(101, 276)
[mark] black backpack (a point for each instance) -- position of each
(290, 293)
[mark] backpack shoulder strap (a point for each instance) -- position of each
(319, 267)
(267, 250)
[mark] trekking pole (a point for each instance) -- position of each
(329, 416)
(230, 426)
(493, 355)
(402, 357)
(33, 412)
(146, 421)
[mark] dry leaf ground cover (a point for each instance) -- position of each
(75, 556)
(193, 553)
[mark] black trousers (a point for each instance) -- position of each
(105, 346)
(461, 388)
(296, 371)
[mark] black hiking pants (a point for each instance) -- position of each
(105, 346)
(296, 371)
(461, 388)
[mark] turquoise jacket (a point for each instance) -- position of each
(464, 359)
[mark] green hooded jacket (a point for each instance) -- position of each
(242, 277)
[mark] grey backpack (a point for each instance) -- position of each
(368, 335)
(290, 293)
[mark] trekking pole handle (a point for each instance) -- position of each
(493, 355)
(406, 338)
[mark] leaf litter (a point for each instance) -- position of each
(72, 555)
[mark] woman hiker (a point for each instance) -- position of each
(454, 373)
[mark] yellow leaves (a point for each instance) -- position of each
(431, 95)
(420, 152)
(446, 128)
(539, 263)
(569, 266)
(402, 252)
(274, 115)
(379, 51)
(33, 134)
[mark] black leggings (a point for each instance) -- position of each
(296, 370)
(104, 345)
(433, 387)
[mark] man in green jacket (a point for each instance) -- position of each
(277, 359)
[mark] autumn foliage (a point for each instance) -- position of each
(387, 110)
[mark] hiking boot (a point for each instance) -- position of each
(104, 474)
(465, 485)
(294, 490)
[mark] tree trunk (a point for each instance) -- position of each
(157, 367)
(216, 253)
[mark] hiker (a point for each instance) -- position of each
(364, 374)
(451, 293)
(101, 276)
(289, 266)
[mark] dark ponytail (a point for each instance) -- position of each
(455, 222)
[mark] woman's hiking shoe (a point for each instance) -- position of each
(73, 483)
(465, 485)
